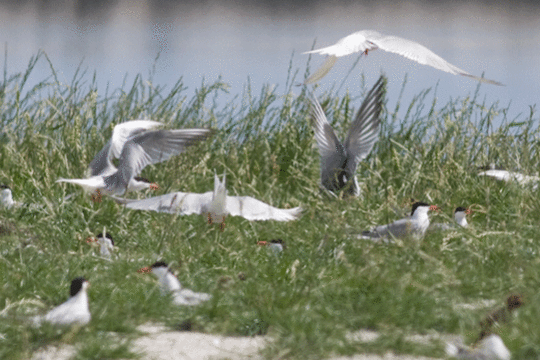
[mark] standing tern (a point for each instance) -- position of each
(170, 284)
(136, 146)
(73, 311)
(6, 198)
(368, 40)
(415, 225)
(106, 244)
(339, 161)
(460, 216)
(214, 204)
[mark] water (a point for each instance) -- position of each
(259, 42)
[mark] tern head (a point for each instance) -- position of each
(77, 285)
(107, 236)
(144, 182)
(160, 268)
(422, 205)
(514, 301)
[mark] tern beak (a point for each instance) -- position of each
(154, 186)
(144, 270)
(262, 243)
(434, 208)
(468, 211)
(90, 240)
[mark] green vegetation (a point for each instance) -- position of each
(327, 284)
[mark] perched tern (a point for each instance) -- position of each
(509, 176)
(73, 311)
(6, 198)
(170, 284)
(415, 225)
(490, 348)
(368, 40)
(339, 161)
(460, 216)
(136, 146)
(276, 245)
(214, 204)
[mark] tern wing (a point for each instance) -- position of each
(174, 203)
(253, 209)
(364, 131)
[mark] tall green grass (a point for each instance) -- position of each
(327, 284)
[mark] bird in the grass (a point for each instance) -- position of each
(216, 205)
(460, 217)
(340, 161)
(509, 176)
(276, 245)
(490, 348)
(415, 225)
(73, 311)
(369, 40)
(6, 198)
(501, 315)
(136, 145)
(106, 244)
(170, 284)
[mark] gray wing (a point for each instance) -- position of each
(322, 71)
(399, 228)
(101, 164)
(364, 131)
(252, 209)
(330, 148)
(174, 203)
(151, 147)
(421, 54)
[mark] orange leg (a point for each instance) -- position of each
(209, 219)
(97, 196)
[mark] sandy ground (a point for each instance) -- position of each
(159, 343)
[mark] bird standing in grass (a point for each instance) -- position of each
(136, 146)
(368, 40)
(415, 225)
(340, 161)
(73, 311)
(6, 198)
(460, 217)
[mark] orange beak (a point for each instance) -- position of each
(434, 208)
(468, 211)
(262, 243)
(90, 240)
(154, 186)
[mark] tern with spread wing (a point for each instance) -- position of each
(214, 204)
(339, 161)
(369, 40)
(73, 311)
(136, 146)
(509, 176)
(415, 225)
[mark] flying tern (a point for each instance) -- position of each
(73, 311)
(369, 40)
(340, 161)
(216, 205)
(490, 348)
(509, 176)
(415, 225)
(460, 216)
(170, 284)
(135, 145)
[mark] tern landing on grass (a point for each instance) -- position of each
(73, 311)
(490, 348)
(369, 40)
(135, 145)
(340, 161)
(214, 204)
(460, 216)
(170, 284)
(509, 176)
(415, 225)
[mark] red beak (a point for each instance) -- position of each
(144, 270)
(262, 243)
(154, 186)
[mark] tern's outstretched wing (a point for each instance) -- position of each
(174, 203)
(253, 209)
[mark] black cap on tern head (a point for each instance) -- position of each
(141, 179)
(107, 235)
(159, 264)
(279, 241)
(417, 204)
(4, 186)
(460, 208)
(76, 285)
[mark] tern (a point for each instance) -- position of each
(6, 198)
(490, 348)
(276, 245)
(170, 284)
(216, 205)
(105, 242)
(73, 311)
(340, 161)
(135, 145)
(369, 40)
(460, 216)
(509, 176)
(415, 225)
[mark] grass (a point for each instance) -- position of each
(327, 284)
